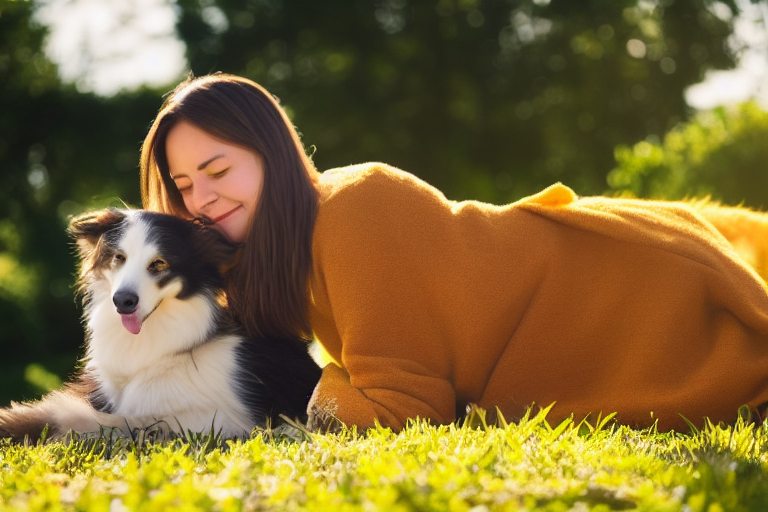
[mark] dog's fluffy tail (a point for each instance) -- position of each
(745, 229)
(60, 411)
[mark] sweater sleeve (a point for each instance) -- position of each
(376, 257)
(398, 392)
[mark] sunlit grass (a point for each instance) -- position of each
(526, 466)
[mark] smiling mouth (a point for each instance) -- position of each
(226, 215)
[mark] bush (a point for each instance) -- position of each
(722, 153)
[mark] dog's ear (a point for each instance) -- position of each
(86, 229)
(215, 249)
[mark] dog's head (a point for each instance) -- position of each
(144, 258)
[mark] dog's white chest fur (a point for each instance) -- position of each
(189, 391)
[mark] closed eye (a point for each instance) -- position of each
(185, 186)
(220, 173)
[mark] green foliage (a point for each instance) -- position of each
(525, 466)
(42, 379)
(721, 153)
(19, 281)
(61, 152)
(488, 100)
(485, 100)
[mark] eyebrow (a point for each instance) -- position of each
(202, 165)
(205, 164)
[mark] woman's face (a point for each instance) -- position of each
(218, 181)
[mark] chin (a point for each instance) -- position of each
(233, 229)
(235, 237)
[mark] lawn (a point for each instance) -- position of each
(528, 465)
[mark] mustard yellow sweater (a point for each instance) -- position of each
(600, 305)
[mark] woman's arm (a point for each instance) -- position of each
(377, 245)
(337, 401)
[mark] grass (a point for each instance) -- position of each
(474, 467)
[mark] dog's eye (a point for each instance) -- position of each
(119, 258)
(158, 266)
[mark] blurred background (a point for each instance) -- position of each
(485, 99)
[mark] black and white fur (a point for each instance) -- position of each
(188, 366)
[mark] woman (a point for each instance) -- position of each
(427, 305)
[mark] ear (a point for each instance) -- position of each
(214, 248)
(86, 230)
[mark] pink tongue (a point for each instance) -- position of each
(132, 322)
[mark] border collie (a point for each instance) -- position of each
(161, 347)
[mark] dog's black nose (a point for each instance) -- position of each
(125, 302)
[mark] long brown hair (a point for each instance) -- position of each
(268, 287)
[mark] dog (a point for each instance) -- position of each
(161, 346)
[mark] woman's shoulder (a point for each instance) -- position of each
(371, 180)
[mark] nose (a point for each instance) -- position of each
(203, 194)
(125, 301)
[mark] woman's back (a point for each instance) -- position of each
(598, 304)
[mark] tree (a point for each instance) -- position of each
(485, 99)
(61, 152)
